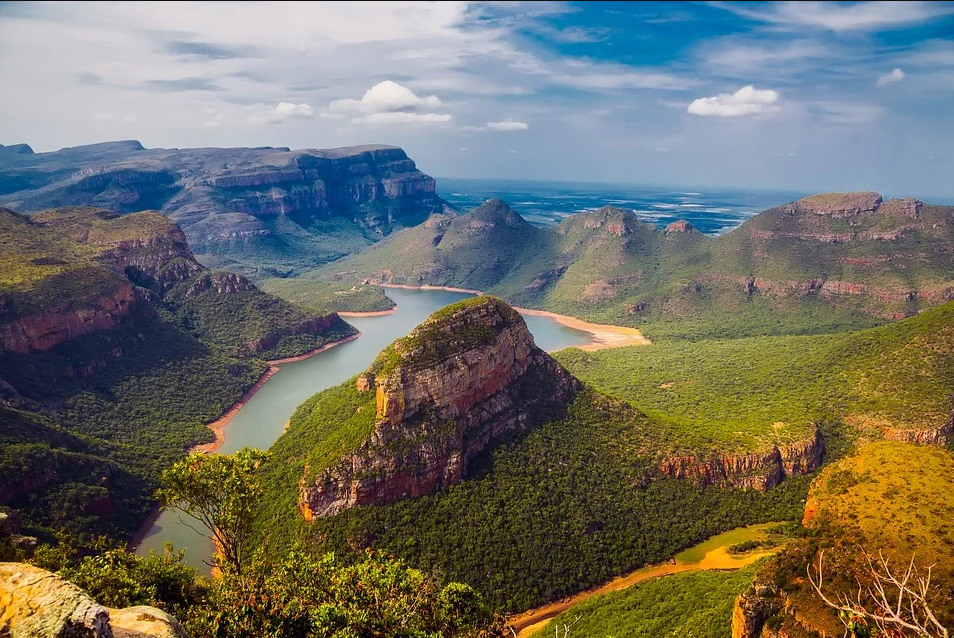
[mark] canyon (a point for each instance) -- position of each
(251, 207)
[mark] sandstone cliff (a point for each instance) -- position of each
(35, 603)
(760, 470)
(466, 377)
(261, 205)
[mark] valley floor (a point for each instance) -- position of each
(710, 555)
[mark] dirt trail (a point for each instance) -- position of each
(531, 621)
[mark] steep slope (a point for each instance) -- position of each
(824, 263)
(889, 497)
(245, 208)
(116, 347)
(462, 433)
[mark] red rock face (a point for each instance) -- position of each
(679, 226)
(927, 436)
(760, 471)
(839, 205)
(432, 420)
(44, 331)
(311, 326)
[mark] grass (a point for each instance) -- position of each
(748, 394)
(320, 296)
(693, 604)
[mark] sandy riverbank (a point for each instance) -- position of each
(604, 336)
(218, 426)
(529, 622)
(370, 313)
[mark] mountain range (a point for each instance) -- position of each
(257, 211)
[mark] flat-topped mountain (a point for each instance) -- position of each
(468, 376)
(245, 208)
(824, 262)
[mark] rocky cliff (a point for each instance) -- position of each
(761, 471)
(250, 206)
(468, 376)
(35, 603)
(59, 324)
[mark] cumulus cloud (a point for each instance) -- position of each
(387, 96)
(391, 103)
(403, 117)
(896, 75)
(746, 101)
(282, 113)
(858, 16)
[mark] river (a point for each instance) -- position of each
(261, 421)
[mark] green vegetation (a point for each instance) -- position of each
(440, 335)
(764, 278)
(746, 394)
(135, 416)
(566, 507)
(696, 604)
(219, 491)
(250, 322)
(89, 424)
(888, 497)
(321, 296)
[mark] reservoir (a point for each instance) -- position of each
(261, 421)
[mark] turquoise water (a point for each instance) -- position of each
(263, 418)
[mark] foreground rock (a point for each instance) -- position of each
(35, 603)
(467, 376)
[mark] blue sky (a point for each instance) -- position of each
(805, 96)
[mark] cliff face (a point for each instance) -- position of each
(761, 471)
(39, 332)
(255, 205)
(443, 394)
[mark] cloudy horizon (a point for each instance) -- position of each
(798, 96)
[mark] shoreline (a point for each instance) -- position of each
(218, 427)
(604, 335)
(369, 313)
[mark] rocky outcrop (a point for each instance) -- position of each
(923, 436)
(679, 226)
(467, 376)
(39, 332)
(10, 535)
(221, 283)
(35, 603)
(757, 470)
(838, 205)
(752, 609)
(315, 325)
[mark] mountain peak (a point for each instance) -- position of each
(469, 374)
(495, 211)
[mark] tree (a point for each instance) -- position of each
(220, 491)
(901, 602)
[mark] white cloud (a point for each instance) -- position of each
(661, 149)
(330, 116)
(129, 119)
(103, 117)
(896, 75)
(387, 96)
(746, 101)
(835, 16)
(403, 117)
(503, 125)
(281, 113)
